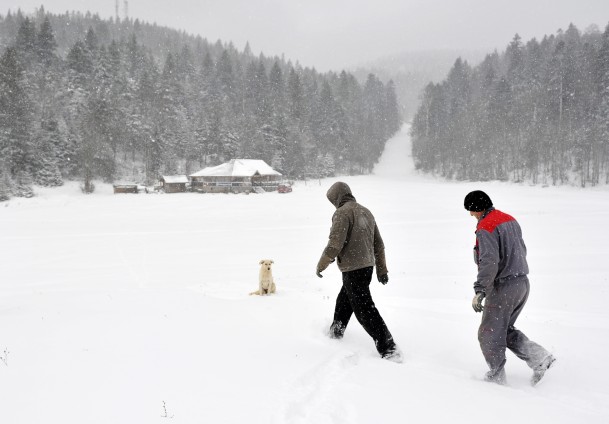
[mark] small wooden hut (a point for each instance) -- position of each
(173, 183)
(125, 188)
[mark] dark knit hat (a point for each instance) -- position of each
(477, 201)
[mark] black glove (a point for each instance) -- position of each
(384, 279)
(477, 302)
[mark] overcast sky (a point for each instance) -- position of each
(337, 34)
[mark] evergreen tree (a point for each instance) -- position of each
(15, 118)
(601, 147)
(46, 43)
(276, 89)
(6, 183)
(295, 96)
(226, 80)
(79, 61)
(392, 112)
(26, 39)
(263, 110)
(374, 119)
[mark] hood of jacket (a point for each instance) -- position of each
(339, 194)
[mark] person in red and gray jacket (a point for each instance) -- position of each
(500, 254)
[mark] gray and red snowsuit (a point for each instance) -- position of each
(500, 254)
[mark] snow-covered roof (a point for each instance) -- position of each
(174, 179)
(237, 168)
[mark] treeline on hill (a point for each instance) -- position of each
(537, 112)
(82, 97)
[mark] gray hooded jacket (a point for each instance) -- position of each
(500, 252)
(354, 237)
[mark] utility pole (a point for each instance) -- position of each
(126, 9)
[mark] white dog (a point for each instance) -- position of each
(266, 285)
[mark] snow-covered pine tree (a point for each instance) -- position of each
(15, 117)
(6, 183)
(601, 148)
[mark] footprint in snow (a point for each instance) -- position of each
(308, 399)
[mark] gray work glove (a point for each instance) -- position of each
(323, 263)
(384, 279)
(477, 302)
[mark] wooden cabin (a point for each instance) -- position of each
(236, 176)
(125, 188)
(174, 183)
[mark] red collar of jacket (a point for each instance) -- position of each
(491, 219)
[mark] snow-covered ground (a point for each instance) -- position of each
(135, 308)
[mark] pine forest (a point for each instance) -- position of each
(538, 112)
(91, 99)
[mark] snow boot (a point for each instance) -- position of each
(497, 377)
(337, 330)
(394, 355)
(540, 370)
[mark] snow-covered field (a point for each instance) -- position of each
(135, 309)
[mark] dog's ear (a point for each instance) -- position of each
(272, 261)
(261, 261)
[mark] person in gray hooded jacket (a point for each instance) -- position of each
(356, 243)
(500, 254)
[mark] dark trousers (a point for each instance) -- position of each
(355, 298)
(502, 307)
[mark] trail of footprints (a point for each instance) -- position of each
(307, 399)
